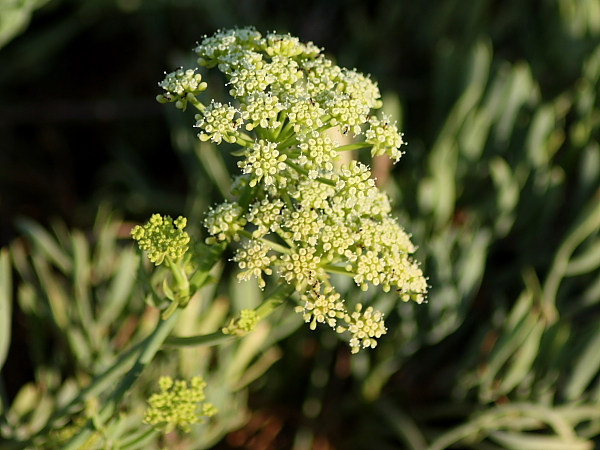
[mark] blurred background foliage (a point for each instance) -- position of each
(500, 187)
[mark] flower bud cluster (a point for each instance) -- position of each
(242, 325)
(302, 216)
(177, 405)
(162, 237)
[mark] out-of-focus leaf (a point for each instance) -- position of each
(139, 440)
(121, 286)
(6, 298)
(24, 403)
(44, 407)
(586, 261)
(245, 352)
(262, 364)
(46, 244)
(522, 360)
(82, 280)
(15, 16)
(536, 145)
(471, 266)
(586, 224)
(55, 293)
(403, 425)
(585, 368)
(592, 293)
(528, 441)
(517, 91)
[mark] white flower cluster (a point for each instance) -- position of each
(301, 216)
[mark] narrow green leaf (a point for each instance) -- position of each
(139, 440)
(262, 364)
(472, 264)
(42, 412)
(585, 262)
(46, 244)
(57, 297)
(522, 360)
(245, 352)
(585, 368)
(542, 126)
(121, 286)
(6, 298)
(586, 224)
(403, 425)
(592, 293)
(82, 280)
(527, 441)
(24, 402)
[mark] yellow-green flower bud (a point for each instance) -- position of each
(162, 237)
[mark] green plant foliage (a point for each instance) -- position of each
(499, 187)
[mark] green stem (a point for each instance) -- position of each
(337, 269)
(267, 242)
(246, 196)
(276, 298)
(286, 132)
(180, 277)
(244, 140)
(347, 148)
(303, 171)
(277, 131)
(195, 102)
(202, 340)
(289, 142)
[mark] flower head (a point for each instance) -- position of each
(384, 137)
(219, 123)
(326, 307)
(365, 327)
(224, 222)
(162, 237)
(264, 161)
(244, 324)
(177, 405)
(253, 259)
(179, 85)
(301, 216)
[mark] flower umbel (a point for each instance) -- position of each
(298, 215)
(177, 405)
(162, 237)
